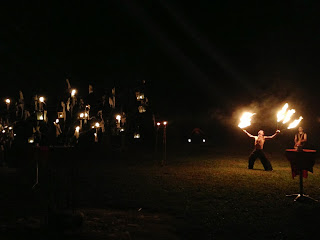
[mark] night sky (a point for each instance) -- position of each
(203, 60)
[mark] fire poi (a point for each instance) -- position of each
(295, 123)
(245, 119)
(285, 115)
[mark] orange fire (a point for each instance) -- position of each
(281, 114)
(288, 115)
(295, 123)
(245, 119)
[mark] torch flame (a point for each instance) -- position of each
(245, 119)
(288, 115)
(295, 123)
(282, 112)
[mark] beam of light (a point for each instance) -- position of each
(245, 119)
(281, 114)
(288, 115)
(295, 123)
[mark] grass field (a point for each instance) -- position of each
(198, 194)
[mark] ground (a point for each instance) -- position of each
(200, 193)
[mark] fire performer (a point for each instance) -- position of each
(258, 150)
(300, 138)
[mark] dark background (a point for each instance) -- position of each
(205, 61)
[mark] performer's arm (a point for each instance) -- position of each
(250, 135)
(304, 138)
(272, 136)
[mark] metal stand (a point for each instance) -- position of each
(301, 196)
(37, 169)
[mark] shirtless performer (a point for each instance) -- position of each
(258, 150)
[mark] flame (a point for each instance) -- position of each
(295, 123)
(73, 92)
(282, 112)
(288, 115)
(245, 119)
(41, 99)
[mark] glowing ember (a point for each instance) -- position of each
(245, 119)
(281, 114)
(288, 115)
(295, 123)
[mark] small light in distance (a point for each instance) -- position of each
(81, 115)
(118, 117)
(10, 128)
(203, 140)
(122, 130)
(77, 128)
(136, 135)
(7, 101)
(14, 134)
(158, 123)
(97, 124)
(41, 99)
(189, 140)
(165, 123)
(57, 121)
(3, 131)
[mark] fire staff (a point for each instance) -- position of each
(258, 150)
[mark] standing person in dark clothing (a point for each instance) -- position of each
(300, 139)
(258, 150)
